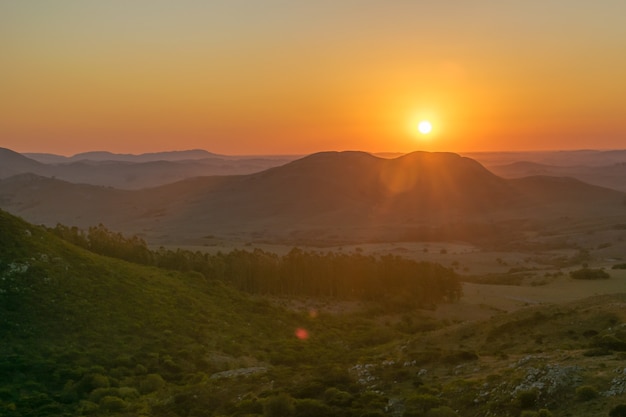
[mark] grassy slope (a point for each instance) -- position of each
(87, 335)
(67, 313)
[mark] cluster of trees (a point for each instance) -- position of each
(298, 273)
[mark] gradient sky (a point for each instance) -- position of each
(295, 77)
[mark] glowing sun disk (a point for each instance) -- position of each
(424, 127)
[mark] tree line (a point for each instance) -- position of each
(352, 276)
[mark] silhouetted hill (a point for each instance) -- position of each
(145, 157)
(611, 176)
(134, 171)
(110, 156)
(12, 163)
(568, 158)
(330, 195)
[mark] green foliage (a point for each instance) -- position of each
(527, 398)
(337, 398)
(586, 393)
(609, 342)
(151, 383)
(309, 407)
(419, 404)
(589, 274)
(280, 405)
(443, 411)
(339, 275)
(111, 403)
(87, 335)
(619, 266)
(618, 411)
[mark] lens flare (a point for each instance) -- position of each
(302, 334)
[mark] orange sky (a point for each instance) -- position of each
(270, 77)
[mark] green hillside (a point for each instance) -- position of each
(87, 334)
(84, 334)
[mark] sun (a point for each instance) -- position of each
(424, 127)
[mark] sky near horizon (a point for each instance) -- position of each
(296, 77)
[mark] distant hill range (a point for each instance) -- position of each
(133, 171)
(604, 168)
(324, 198)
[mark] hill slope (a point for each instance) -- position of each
(13, 163)
(132, 171)
(84, 334)
(332, 196)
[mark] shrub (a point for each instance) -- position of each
(586, 393)
(541, 413)
(110, 403)
(618, 411)
(336, 397)
(609, 341)
(527, 399)
(441, 412)
(600, 351)
(151, 383)
(128, 393)
(590, 274)
(419, 404)
(99, 393)
(281, 405)
(309, 407)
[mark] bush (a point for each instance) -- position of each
(608, 341)
(419, 404)
(336, 397)
(618, 411)
(151, 383)
(309, 407)
(281, 405)
(589, 274)
(600, 351)
(541, 413)
(99, 393)
(586, 393)
(441, 412)
(110, 403)
(527, 399)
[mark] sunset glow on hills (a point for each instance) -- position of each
(244, 77)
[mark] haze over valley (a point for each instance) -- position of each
(324, 199)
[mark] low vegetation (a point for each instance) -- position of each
(589, 273)
(299, 273)
(87, 334)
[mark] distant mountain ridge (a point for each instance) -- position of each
(330, 196)
(110, 156)
(133, 171)
(12, 163)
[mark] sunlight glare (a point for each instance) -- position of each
(424, 127)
